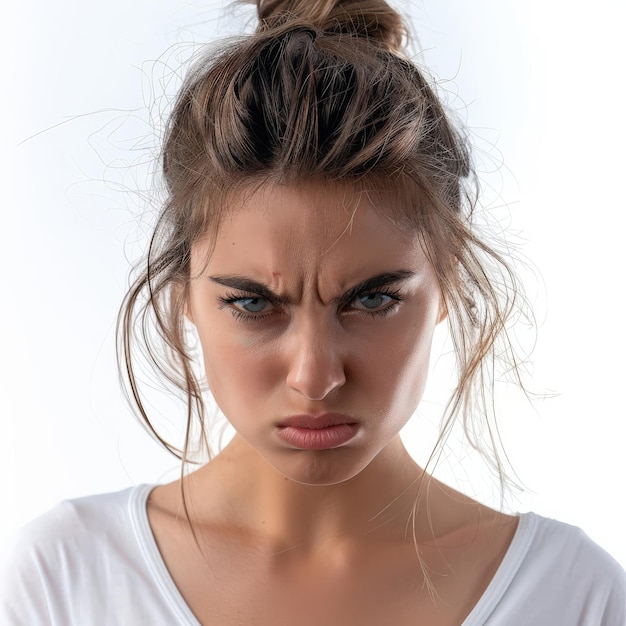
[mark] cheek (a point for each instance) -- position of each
(386, 368)
(237, 371)
(394, 366)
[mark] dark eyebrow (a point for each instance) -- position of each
(373, 283)
(248, 285)
(251, 286)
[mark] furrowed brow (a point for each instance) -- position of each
(248, 285)
(373, 283)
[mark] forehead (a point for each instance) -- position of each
(312, 231)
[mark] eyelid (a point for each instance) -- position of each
(229, 302)
(378, 284)
(392, 294)
(259, 290)
(251, 288)
(232, 297)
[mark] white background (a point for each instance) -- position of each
(540, 86)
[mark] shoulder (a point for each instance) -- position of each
(558, 575)
(560, 547)
(90, 520)
(53, 559)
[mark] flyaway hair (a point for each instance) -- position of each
(323, 90)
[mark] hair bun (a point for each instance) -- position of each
(372, 19)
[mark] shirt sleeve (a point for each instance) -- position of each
(565, 579)
(44, 572)
(23, 593)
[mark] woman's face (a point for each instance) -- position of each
(316, 318)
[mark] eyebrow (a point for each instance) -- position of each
(252, 286)
(242, 283)
(375, 282)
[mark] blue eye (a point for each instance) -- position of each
(251, 305)
(247, 308)
(373, 300)
(375, 303)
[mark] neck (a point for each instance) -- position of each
(246, 492)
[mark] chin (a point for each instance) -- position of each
(322, 468)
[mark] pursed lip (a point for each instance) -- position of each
(316, 422)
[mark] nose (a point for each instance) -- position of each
(316, 365)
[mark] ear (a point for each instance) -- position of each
(443, 311)
(187, 311)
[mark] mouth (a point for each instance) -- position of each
(323, 432)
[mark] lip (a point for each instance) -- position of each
(322, 432)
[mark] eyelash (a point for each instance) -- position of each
(227, 300)
(394, 294)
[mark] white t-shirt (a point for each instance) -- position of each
(94, 561)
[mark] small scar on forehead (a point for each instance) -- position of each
(275, 273)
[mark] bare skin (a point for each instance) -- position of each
(316, 558)
(294, 319)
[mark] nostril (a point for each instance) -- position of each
(315, 373)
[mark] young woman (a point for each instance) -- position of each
(318, 228)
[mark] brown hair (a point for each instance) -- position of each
(321, 90)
